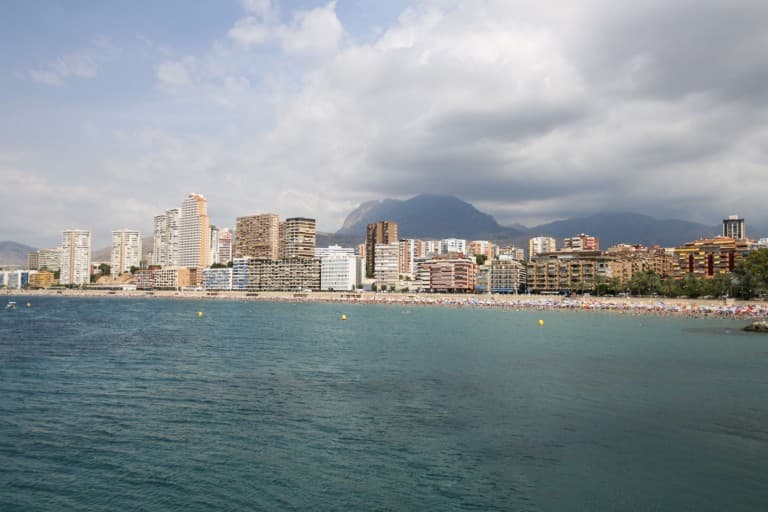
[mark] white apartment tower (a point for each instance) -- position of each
(166, 238)
(385, 269)
(194, 232)
(126, 251)
(76, 257)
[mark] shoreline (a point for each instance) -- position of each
(659, 306)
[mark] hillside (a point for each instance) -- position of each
(14, 253)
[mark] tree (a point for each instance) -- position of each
(391, 287)
(752, 274)
(230, 263)
(104, 269)
(134, 269)
(219, 265)
(480, 259)
(374, 287)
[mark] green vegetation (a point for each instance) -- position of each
(219, 265)
(480, 259)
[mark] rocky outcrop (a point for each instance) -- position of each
(758, 326)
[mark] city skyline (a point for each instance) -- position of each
(532, 112)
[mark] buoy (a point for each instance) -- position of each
(199, 314)
(29, 304)
(541, 322)
(343, 316)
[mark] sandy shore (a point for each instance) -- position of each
(695, 308)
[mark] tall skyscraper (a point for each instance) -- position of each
(299, 238)
(258, 236)
(541, 244)
(126, 251)
(166, 238)
(194, 232)
(76, 257)
(383, 232)
(733, 227)
(213, 248)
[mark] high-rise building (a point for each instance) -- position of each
(299, 238)
(165, 252)
(510, 252)
(733, 227)
(76, 257)
(33, 260)
(407, 256)
(541, 244)
(257, 236)
(213, 248)
(383, 232)
(194, 232)
(126, 251)
(225, 245)
(386, 270)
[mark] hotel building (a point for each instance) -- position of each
(76, 257)
(709, 256)
(733, 227)
(126, 251)
(573, 271)
(340, 272)
(507, 276)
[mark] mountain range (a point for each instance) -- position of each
(435, 216)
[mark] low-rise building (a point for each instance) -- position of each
(340, 272)
(217, 279)
(288, 274)
(41, 279)
(574, 271)
(710, 256)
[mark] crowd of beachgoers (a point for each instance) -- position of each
(629, 305)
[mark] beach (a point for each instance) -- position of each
(660, 306)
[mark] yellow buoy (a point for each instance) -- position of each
(343, 316)
(541, 322)
(29, 304)
(199, 314)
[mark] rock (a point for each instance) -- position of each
(757, 326)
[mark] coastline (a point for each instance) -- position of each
(658, 306)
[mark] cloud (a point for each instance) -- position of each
(314, 32)
(175, 74)
(69, 66)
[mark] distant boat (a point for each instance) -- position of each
(11, 305)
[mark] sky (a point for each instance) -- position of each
(533, 111)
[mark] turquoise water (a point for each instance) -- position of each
(119, 404)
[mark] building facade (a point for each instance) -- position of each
(541, 244)
(733, 227)
(299, 238)
(385, 272)
(194, 232)
(217, 279)
(165, 236)
(507, 276)
(225, 246)
(581, 242)
(76, 257)
(452, 275)
(383, 232)
(707, 257)
(284, 275)
(572, 271)
(257, 236)
(340, 272)
(126, 251)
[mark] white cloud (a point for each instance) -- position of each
(315, 32)
(74, 65)
(175, 74)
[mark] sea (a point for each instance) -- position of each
(145, 405)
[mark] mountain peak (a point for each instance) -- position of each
(424, 215)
